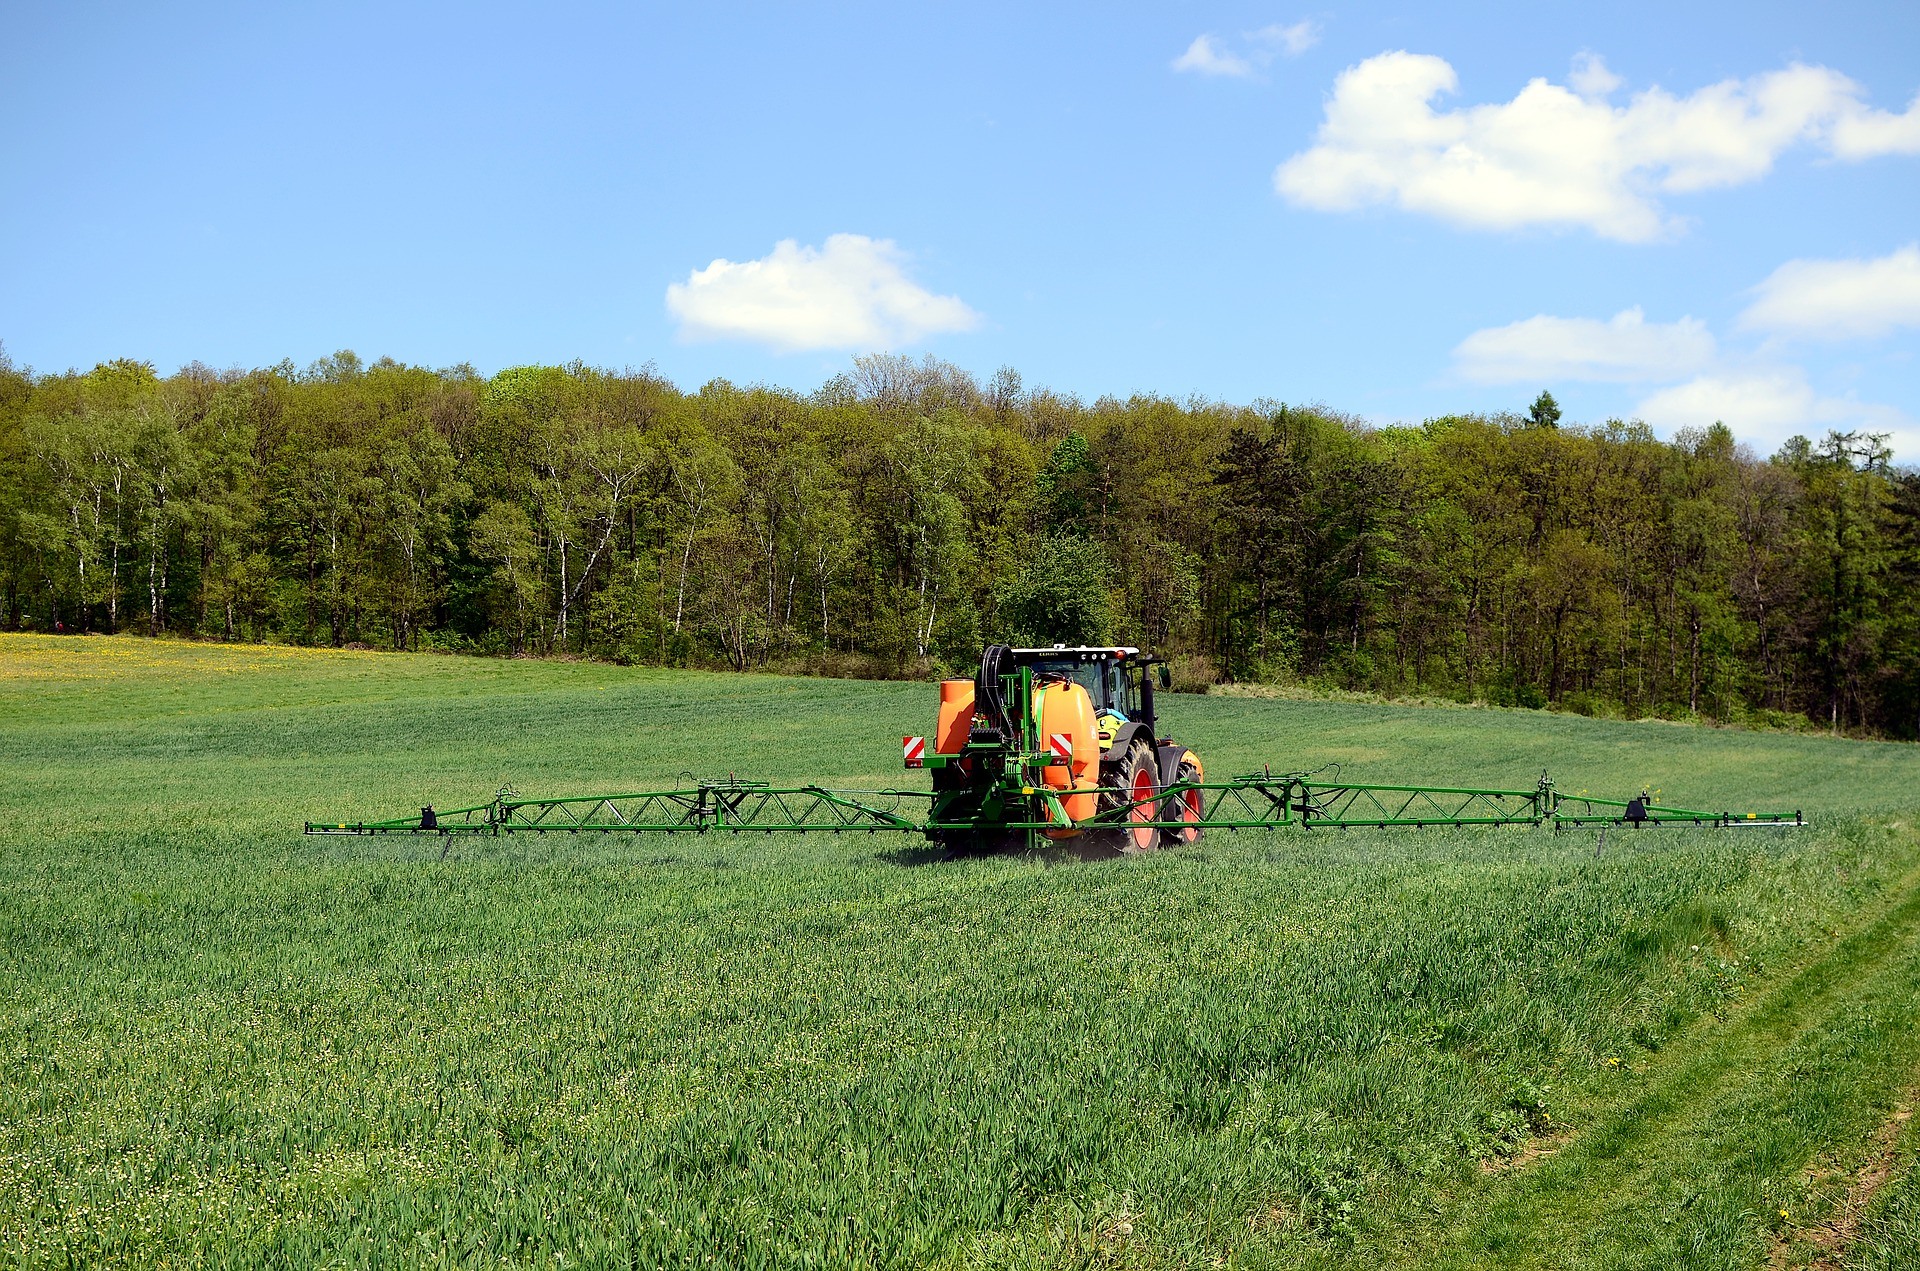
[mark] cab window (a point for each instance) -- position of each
(1086, 674)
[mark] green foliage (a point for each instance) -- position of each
(571, 510)
(1068, 485)
(1058, 595)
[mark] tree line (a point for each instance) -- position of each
(892, 521)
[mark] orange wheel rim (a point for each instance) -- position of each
(1142, 810)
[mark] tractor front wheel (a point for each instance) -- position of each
(1184, 806)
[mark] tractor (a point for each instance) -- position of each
(1060, 743)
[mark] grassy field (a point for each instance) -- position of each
(224, 1044)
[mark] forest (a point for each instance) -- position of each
(888, 523)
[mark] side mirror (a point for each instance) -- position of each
(1165, 675)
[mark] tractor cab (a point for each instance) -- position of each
(1115, 678)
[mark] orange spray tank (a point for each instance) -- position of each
(956, 717)
(1067, 709)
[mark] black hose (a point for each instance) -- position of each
(988, 697)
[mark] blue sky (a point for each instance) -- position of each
(1699, 211)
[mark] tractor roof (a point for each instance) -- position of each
(1085, 652)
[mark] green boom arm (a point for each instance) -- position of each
(1257, 801)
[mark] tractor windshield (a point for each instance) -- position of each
(1088, 675)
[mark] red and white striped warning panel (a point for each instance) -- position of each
(916, 749)
(1060, 745)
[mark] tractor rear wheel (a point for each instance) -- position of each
(1133, 781)
(1185, 806)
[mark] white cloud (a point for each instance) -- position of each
(1768, 405)
(1556, 156)
(1208, 55)
(1291, 40)
(1839, 299)
(1626, 349)
(1205, 57)
(852, 292)
(1590, 76)
(1869, 133)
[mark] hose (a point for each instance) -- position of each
(989, 699)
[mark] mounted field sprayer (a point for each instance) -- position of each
(1051, 747)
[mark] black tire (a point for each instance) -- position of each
(1133, 778)
(1184, 806)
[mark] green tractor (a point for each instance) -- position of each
(1059, 744)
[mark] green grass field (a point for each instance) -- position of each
(223, 1043)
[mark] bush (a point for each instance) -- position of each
(1192, 672)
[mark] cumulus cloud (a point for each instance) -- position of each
(1209, 55)
(1561, 156)
(1839, 299)
(1205, 56)
(1771, 404)
(1625, 349)
(852, 292)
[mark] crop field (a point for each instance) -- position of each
(226, 1044)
